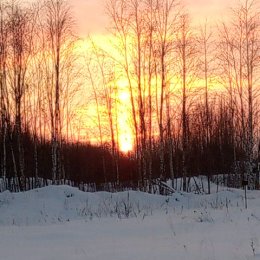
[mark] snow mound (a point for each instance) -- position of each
(58, 204)
(54, 204)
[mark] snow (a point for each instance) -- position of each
(63, 223)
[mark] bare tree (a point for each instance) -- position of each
(59, 32)
(205, 41)
(166, 14)
(240, 63)
(128, 26)
(187, 65)
(3, 85)
(21, 26)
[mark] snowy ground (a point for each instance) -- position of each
(62, 223)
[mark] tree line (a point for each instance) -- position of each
(192, 92)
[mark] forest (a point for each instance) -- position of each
(160, 98)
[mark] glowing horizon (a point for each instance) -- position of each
(92, 20)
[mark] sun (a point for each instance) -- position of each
(124, 96)
(125, 143)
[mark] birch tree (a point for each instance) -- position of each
(59, 32)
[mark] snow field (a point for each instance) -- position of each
(62, 223)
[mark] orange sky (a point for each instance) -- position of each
(91, 18)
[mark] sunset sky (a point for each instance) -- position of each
(91, 17)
